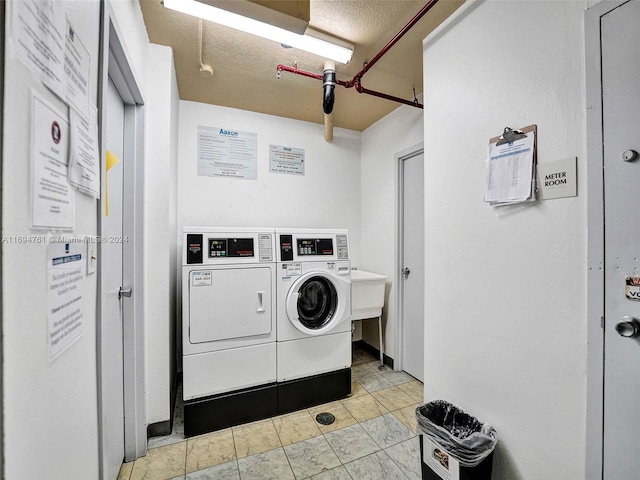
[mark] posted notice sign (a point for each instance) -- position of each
(223, 152)
(286, 160)
(65, 275)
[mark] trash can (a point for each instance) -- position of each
(453, 444)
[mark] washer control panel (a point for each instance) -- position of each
(304, 246)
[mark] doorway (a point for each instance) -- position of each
(613, 100)
(411, 276)
(121, 401)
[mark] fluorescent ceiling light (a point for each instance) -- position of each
(312, 41)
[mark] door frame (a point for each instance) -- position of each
(115, 62)
(595, 239)
(399, 240)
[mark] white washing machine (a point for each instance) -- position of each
(228, 327)
(313, 312)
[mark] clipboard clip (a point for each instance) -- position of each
(510, 135)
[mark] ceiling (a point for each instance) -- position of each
(244, 66)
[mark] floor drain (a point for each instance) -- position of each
(325, 418)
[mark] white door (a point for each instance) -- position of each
(620, 38)
(112, 308)
(412, 263)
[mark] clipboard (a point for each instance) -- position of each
(512, 134)
(504, 142)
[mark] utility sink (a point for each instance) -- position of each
(367, 294)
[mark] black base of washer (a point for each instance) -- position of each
(208, 414)
(310, 391)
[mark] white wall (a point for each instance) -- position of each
(327, 196)
(505, 334)
(160, 224)
(400, 130)
(50, 409)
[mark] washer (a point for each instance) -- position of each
(313, 312)
(228, 327)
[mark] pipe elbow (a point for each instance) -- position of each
(328, 86)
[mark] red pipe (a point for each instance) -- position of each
(393, 41)
(280, 68)
(411, 103)
(356, 81)
(356, 84)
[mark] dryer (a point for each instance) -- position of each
(228, 327)
(313, 317)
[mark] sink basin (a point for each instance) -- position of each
(367, 294)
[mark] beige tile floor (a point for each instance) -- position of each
(373, 437)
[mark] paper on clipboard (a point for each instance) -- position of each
(510, 169)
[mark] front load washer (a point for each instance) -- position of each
(313, 312)
(228, 327)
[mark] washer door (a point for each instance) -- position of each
(318, 301)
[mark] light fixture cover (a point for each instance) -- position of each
(312, 41)
(291, 15)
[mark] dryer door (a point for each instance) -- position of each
(318, 301)
(228, 303)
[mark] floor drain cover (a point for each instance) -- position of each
(325, 418)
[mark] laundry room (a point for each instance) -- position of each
(510, 317)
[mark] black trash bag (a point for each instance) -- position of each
(462, 436)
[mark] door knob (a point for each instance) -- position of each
(629, 155)
(629, 327)
(406, 271)
(124, 292)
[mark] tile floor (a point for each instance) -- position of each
(373, 437)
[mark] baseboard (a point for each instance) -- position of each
(159, 429)
(387, 360)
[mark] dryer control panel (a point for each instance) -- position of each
(219, 248)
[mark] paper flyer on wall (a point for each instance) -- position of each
(37, 40)
(52, 198)
(84, 159)
(510, 172)
(223, 152)
(286, 160)
(65, 275)
(77, 63)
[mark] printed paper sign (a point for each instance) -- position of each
(227, 153)
(286, 160)
(65, 275)
(38, 40)
(443, 464)
(77, 62)
(52, 196)
(84, 161)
